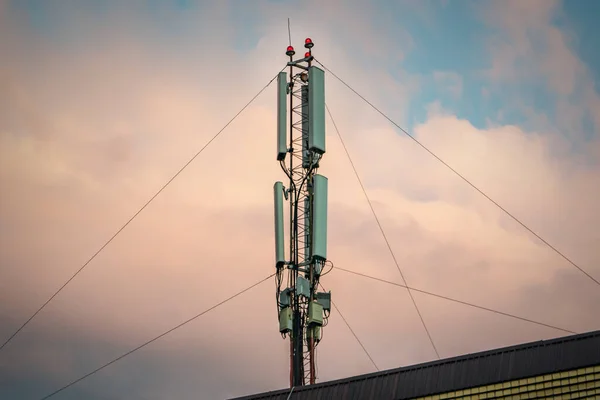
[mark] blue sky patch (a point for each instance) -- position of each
(448, 39)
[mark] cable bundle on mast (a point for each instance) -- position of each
(302, 310)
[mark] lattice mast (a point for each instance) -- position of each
(302, 310)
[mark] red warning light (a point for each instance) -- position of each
(290, 51)
(308, 43)
(307, 54)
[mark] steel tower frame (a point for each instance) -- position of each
(302, 310)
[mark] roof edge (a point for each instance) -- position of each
(428, 364)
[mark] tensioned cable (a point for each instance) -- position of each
(383, 233)
(156, 338)
(352, 331)
(138, 212)
(464, 178)
(291, 391)
(456, 301)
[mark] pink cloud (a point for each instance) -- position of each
(109, 130)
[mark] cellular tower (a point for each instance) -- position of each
(302, 310)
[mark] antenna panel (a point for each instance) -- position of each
(316, 110)
(324, 299)
(319, 222)
(279, 238)
(284, 298)
(316, 333)
(285, 320)
(315, 314)
(281, 116)
(302, 287)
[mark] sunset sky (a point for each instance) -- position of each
(101, 102)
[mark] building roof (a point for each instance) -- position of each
(471, 370)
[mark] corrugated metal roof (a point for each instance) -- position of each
(488, 367)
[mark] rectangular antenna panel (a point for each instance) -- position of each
(324, 299)
(302, 286)
(314, 332)
(316, 110)
(284, 298)
(281, 116)
(317, 333)
(319, 222)
(315, 314)
(305, 154)
(285, 320)
(279, 239)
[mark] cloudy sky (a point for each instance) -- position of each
(102, 102)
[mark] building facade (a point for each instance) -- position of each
(563, 368)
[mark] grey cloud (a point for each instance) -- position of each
(206, 369)
(143, 111)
